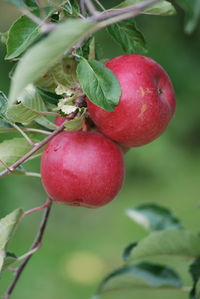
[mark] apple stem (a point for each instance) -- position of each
(36, 244)
(28, 212)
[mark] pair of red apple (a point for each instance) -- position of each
(87, 168)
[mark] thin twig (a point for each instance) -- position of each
(34, 149)
(46, 113)
(82, 7)
(112, 16)
(45, 27)
(6, 166)
(37, 131)
(124, 13)
(31, 16)
(36, 243)
(34, 174)
(44, 206)
(27, 254)
(23, 134)
(8, 130)
(41, 7)
(91, 8)
(100, 5)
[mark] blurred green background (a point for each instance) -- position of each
(81, 245)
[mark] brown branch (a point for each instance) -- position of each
(35, 245)
(33, 150)
(44, 206)
(82, 7)
(131, 10)
(90, 7)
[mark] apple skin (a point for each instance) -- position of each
(146, 105)
(59, 120)
(82, 169)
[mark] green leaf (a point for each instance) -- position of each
(24, 31)
(160, 8)
(5, 127)
(44, 123)
(8, 225)
(84, 51)
(18, 3)
(76, 123)
(3, 104)
(10, 258)
(12, 150)
(68, 7)
(21, 35)
(30, 98)
(42, 56)
(127, 251)
(2, 257)
(48, 96)
(140, 275)
(127, 35)
(169, 242)
(99, 84)
(195, 273)
(192, 11)
(28, 108)
(20, 113)
(71, 8)
(63, 73)
(20, 170)
(22, 3)
(153, 217)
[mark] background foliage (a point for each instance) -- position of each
(82, 245)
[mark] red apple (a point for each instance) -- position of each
(59, 120)
(146, 105)
(82, 169)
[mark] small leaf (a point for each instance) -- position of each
(76, 123)
(3, 104)
(141, 275)
(20, 170)
(5, 127)
(127, 251)
(195, 273)
(68, 7)
(127, 35)
(160, 8)
(71, 8)
(99, 84)
(192, 12)
(18, 3)
(44, 123)
(153, 217)
(20, 113)
(10, 258)
(62, 73)
(42, 56)
(29, 106)
(48, 96)
(12, 150)
(84, 51)
(7, 227)
(20, 36)
(169, 242)
(30, 98)
(23, 3)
